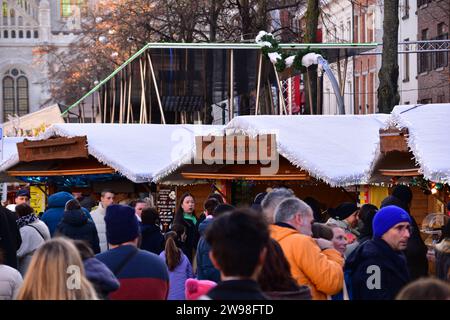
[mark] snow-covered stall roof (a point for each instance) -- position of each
(10, 155)
(428, 137)
(340, 150)
(137, 151)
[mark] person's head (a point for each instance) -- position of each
(297, 213)
(122, 225)
(276, 273)
(365, 218)
(171, 250)
(138, 206)
(339, 239)
(315, 207)
(23, 209)
(222, 208)
(403, 193)
(256, 205)
(347, 211)
(322, 230)
(216, 196)
(72, 205)
(425, 289)
(150, 216)
(272, 200)
(227, 235)
(194, 288)
(392, 224)
(209, 205)
(22, 196)
(55, 267)
(186, 204)
(84, 249)
(107, 198)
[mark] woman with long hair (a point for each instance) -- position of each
(185, 216)
(57, 274)
(275, 278)
(180, 269)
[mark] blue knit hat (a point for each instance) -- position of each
(388, 217)
(121, 224)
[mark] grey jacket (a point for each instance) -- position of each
(10, 282)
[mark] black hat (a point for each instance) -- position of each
(22, 193)
(403, 193)
(343, 211)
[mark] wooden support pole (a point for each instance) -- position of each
(258, 83)
(163, 119)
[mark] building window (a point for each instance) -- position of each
(69, 7)
(424, 58)
(36, 34)
(5, 8)
(405, 9)
(356, 33)
(406, 62)
(15, 93)
(441, 57)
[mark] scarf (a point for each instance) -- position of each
(25, 220)
(191, 217)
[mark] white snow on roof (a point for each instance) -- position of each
(340, 150)
(10, 155)
(137, 151)
(428, 127)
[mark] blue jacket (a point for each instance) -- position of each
(76, 225)
(205, 268)
(101, 277)
(152, 239)
(360, 266)
(55, 210)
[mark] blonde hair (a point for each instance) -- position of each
(49, 271)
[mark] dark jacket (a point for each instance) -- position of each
(76, 225)
(10, 239)
(205, 268)
(55, 210)
(152, 239)
(360, 265)
(237, 290)
(303, 293)
(442, 251)
(101, 277)
(192, 237)
(416, 250)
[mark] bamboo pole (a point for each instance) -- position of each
(156, 89)
(308, 83)
(143, 102)
(129, 106)
(114, 98)
(290, 95)
(104, 104)
(99, 107)
(258, 83)
(123, 94)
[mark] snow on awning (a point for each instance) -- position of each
(428, 137)
(10, 155)
(339, 150)
(137, 151)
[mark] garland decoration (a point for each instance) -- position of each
(282, 60)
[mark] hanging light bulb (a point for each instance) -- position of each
(102, 39)
(434, 190)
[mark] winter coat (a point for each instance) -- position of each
(33, 236)
(55, 210)
(151, 238)
(393, 271)
(321, 270)
(10, 239)
(143, 277)
(178, 277)
(101, 277)
(76, 225)
(10, 282)
(205, 268)
(98, 215)
(416, 250)
(442, 251)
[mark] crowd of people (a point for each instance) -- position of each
(281, 247)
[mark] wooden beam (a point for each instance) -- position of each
(399, 172)
(60, 172)
(243, 176)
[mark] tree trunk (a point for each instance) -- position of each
(312, 21)
(388, 95)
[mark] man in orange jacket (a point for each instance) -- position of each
(313, 262)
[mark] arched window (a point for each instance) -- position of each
(15, 93)
(28, 34)
(20, 21)
(20, 34)
(12, 17)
